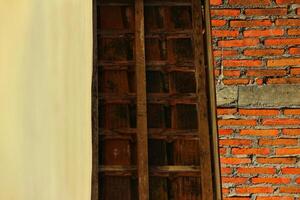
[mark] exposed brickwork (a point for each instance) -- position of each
(257, 43)
(260, 153)
(257, 34)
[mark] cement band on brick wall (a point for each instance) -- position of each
(272, 96)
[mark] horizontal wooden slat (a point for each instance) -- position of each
(164, 68)
(153, 98)
(148, 63)
(153, 131)
(152, 34)
(149, 3)
(171, 68)
(174, 169)
(168, 170)
(165, 134)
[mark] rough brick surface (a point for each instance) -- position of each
(256, 46)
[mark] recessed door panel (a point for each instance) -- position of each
(151, 102)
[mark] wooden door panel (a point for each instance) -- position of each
(118, 188)
(151, 121)
(116, 89)
(116, 18)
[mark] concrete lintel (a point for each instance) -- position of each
(269, 96)
(227, 95)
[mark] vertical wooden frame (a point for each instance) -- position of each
(212, 102)
(203, 126)
(142, 129)
(95, 111)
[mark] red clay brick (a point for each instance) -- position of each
(287, 22)
(266, 72)
(295, 71)
(283, 80)
(218, 22)
(250, 151)
(222, 151)
(277, 160)
(262, 33)
(235, 161)
(275, 198)
(259, 81)
(256, 170)
(236, 180)
(242, 63)
(225, 12)
(226, 170)
(231, 72)
(240, 81)
(237, 122)
(297, 180)
(271, 180)
(215, 2)
(287, 1)
(291, 111)
(263, 52)
(290, 189)
(224, 33)
(234, 142)
(225, 191)
(287, 151)
(277, 142)
(239, 43)
(281, 122)
(294, 32)
(225, 131)
(283, 62)
(294, 50)
(249, 2)
(219, 53)
(236, 198)
(259, 112)
(266, 132)
(282, 41)
(266, 11)
(226, 111)
(290, 170)
(250, 23)
(292, 132)
(254, 190)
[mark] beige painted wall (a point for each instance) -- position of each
(45, 99)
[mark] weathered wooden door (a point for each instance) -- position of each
(153, 128)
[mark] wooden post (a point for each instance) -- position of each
(212, 103)
(95, 112)
(202, 104)
(142, 136)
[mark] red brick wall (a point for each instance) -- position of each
(257, 42)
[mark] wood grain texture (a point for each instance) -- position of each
(142, 136)
(95, 111)
(212, 103)
(164, 103)
(207, 192)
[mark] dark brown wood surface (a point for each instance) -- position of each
(152, 128)
(115, 33)
(95, 113)
(142, 135)
(202, 106)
